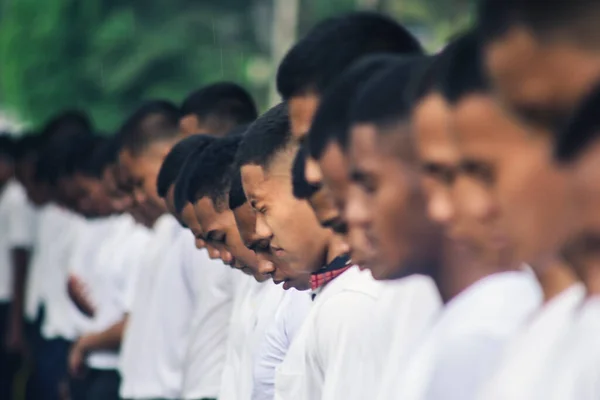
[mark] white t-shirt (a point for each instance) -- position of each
(70, 241)
(406, 310)
(157, 332)
(205, 356)
(526, 357)
(330, 357)
(17, 223)
(574, 369)
(467, 341)
(111, 280)
(278, 337)
(254, 308)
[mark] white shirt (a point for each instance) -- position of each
(157, 332)
(405, 312)
(330, 357)
(254, 309)
(111, 280)
(526, 357)
(289, 317)
(205, 356)
(17, 229)
(70, 234)
(574, 370)
(464, 346)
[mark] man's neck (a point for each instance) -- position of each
(459, 270)
(554, 276)
(335, 248)
(592, 279)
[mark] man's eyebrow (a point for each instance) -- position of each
(357, 175)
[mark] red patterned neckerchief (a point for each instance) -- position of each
(329, 272)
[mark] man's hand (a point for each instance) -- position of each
(79, 294)
(77, 357)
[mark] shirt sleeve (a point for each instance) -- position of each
(134, 266)
(21, 223)
(463, 366)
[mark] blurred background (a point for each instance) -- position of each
(105, 56)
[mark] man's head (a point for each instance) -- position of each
(216, 109)
(390, 205)
(507, 184)
(207, 180)
(286, 223)
(578, 150)
(329, 48)
(326, 163)
(542, 56)
(146, 138)
(67, 123)
(7, 146)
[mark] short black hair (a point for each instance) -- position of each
(385, 100)
(209, 175)
(269, 134)
(98, 158)
(543, 18)
(462, 71)
(331, 120)
(302, 189)
(221, 106)
(582, 129)
(175, 160)
(237, 197)
(68, 122)
(155, 120)
(334, 44)
(62, 156)
(27, 145)
(7, 146)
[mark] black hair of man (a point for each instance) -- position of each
(174, 161)
(7, 146)
(385, 101)
(268, 135)
(334, 44)
(99, 157)
(66, 123)
(237, 197)
(154, 121)
(581, 131)
(84, 154)
(301, 188)
(462, 71)
(210, 174)
(220, 106)
(62, 156)
(27, 145)
(331, 119)
(574, 18)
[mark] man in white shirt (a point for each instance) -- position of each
(455, 356)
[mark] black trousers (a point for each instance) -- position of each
(9, 362)
(102, 384)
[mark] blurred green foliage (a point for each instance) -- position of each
(105, 56)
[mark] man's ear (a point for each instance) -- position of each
(189, 125)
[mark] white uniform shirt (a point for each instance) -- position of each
(17, 229)
(69, 233)
(278, 337)
(37, 266)
(405, 312)
(574, 370)
(112, 279)
(465, 344)
(205, 356)
(157, 332)
(254, 309)
(526, 357)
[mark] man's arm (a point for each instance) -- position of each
(109, 339)
(77, 294)
(15, 337)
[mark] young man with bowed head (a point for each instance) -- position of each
(453, 357)
(331, 334)
(217, 109)
(508, 185)
(543, 57)
(166, 293)
(214, 282)
(572, 374)
(208, 188)
(406, 306)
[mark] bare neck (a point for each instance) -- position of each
(554, 276)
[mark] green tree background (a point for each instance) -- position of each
(105, 56)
